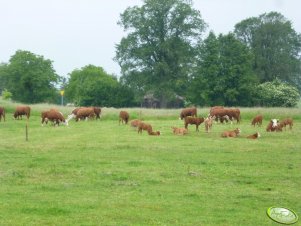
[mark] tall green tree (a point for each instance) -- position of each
(224, 75)
(92, 86)
(275, 45)
(31, 78)
(158, 53)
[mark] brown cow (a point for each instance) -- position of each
(188, 112)
(232, 113)
(233, 133)
(22, 110)
(85, 113)
(124, 117)
(285, 122)
(257, 120)
(2, 113)
(179, 131)
(144, 126)
(54, 116)
(193, 121)
(154, 133)
(254, 136)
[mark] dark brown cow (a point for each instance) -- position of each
(233, 133)
(287, 121)
(54, 116)
(257, 120)
(188, 112)
(193, 121)
(22, 110)
(2, 113)
(124, 117)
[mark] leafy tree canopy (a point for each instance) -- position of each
(276, 47)
(158, 53)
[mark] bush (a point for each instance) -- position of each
(6, 95)
(277, 94)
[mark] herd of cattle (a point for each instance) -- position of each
(189, 115)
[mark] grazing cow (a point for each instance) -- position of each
(233, 133)
(2, 113)
(274, 126)
(179, 131)
(54, 116)
(22, 110)
(193, 121)
(232, 113)
(135, 123)
(208, 123)
(144, 126)
(97, 111)
(257, 120)
(188, 112)
(285, 122)
(85, 113)
(254, 136)
(124, 117)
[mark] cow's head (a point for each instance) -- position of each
(274, 122)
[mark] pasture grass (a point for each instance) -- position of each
(102, 173)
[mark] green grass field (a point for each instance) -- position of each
(100, 173)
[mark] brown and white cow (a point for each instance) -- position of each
(22, 110)
(124, 117)
(188, 112)
(54, 116)
(257, 120)
(233, 133)
(85, 113)
(2, 113)
(274, 126)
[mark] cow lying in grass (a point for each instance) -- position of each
(193, 121)
(179, 131)
(124, 117)
(254, 136)
(274, 126)
(233, 133)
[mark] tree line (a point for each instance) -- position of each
(167, 55)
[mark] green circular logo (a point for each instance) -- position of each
(282, 215)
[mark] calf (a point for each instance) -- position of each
(208, 123)
(179, 131)
(2, 114)
(233, 133)
(257, 120)
(193, 121)
(154, 133)
(22, 110)
(285, 122)
(254, 136)
(144, 126)
(124, 117)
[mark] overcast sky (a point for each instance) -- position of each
(75, 33)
